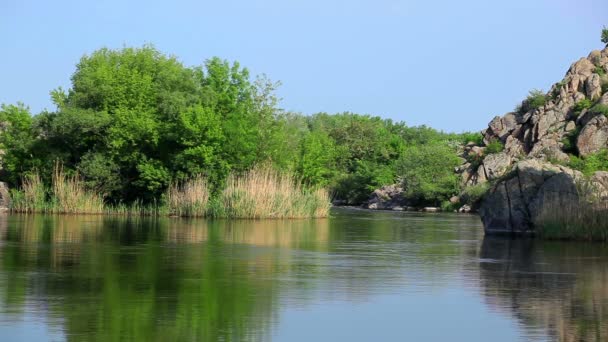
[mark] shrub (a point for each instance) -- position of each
(536, 99)
(448, 206)
(474, 194)
(569, 141)
(605, 36)
(474, 137)
(580, 106)
(590, 163)
(600, 109)
(495, 146)
(428, 174)
(600, 71)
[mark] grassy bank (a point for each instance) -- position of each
(259, 193)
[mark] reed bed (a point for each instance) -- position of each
(70, 196)
(189, 198)
(265, 193)
(67, 195)
(259, 193)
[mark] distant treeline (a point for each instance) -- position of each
(136, 121)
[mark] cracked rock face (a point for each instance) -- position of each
(515, 203)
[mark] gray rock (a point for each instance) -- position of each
(465, 209)
(515, 204)
(593, 87)
(495, 165)
(387, 197)
(593, 136)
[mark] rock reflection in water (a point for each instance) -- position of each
(559, 287)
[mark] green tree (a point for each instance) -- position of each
(605, 35)
(427, 173)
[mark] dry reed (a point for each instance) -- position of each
(189, 198)
(581, 218)
(265, 193)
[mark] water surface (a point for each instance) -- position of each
(357, 276)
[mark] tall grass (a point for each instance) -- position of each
(32, 197)
(265, 193)
(259, 193)
(582, 219)
(189, 198)
(67, 195)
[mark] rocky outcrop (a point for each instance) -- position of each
(387, 198)
(516, 203)
(538, 130)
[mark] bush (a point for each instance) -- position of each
(600, 109)
(474, 194)
(569, 141)
(580, 106)
(605, 36)
(449, 207)
(536, 99)
(428, 173)
(600, 71)
(495, 146)
(591, 163)
(474, 137)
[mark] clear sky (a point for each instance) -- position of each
(452, 65)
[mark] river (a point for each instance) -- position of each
(356, 276)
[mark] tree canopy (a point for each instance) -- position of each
(135, 120)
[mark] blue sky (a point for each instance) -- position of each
(452, 65)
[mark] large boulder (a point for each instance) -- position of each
(387, 197)
(516, 203)
(495, 165)
(594, 136)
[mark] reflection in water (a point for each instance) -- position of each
(559, 287)
(110, 278)
(148, 279)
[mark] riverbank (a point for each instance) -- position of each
(259, 193)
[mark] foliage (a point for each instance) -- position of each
(590, 163)
(600, 109)
(581, 105)
(473, 194)
(600, 71)
(495, 146)
(536, 99)
(569, 141)
(605, 35)
(474, 137)
(427, 173)
(136, 123)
